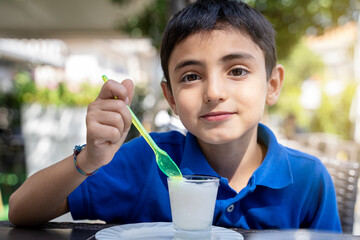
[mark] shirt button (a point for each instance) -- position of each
(230, 208)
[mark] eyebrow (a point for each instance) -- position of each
(226, 58)
(237, 56)
(188, 63)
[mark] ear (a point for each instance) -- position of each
(169, 96)
(274, 84)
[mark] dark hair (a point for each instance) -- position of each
(203, 15)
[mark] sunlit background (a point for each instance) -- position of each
(53, 53)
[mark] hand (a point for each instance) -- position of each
(108, 122)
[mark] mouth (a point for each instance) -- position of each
(216, 116)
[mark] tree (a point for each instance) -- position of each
(291, 19)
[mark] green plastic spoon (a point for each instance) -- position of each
(164, 161)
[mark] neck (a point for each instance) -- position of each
(237, 160)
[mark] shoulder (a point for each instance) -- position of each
(315, 186)
(298, 161)
(303, 157)
(309, 172)
(305, 162)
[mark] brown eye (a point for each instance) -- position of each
(238, 72)
(190, 77)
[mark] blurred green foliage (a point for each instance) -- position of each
(291, 19)
(149, 23)
(300, 65)
(26, 91)
(4, 213)
(333, 113)
(336, 109)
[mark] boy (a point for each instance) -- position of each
(219, 62)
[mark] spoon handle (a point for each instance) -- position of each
(138, 125)
(142, 130)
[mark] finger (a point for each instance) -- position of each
(111, 105)
(112, 89)
(111, 119)
(100, 133)
(121, 122)
(129, 85)
(111, 127)
(110, 112)
(100, 106)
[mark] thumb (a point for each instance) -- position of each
(129, 85)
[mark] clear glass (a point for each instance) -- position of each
(192, 201)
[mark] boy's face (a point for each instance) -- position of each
(219, 85)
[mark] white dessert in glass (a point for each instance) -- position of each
(192, 201)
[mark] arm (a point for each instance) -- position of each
(43, 196)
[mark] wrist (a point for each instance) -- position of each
(80, 161)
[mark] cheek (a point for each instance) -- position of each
(252, 97)
(184, 103)
(187, 105)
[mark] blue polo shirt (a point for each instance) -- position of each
(290, 189)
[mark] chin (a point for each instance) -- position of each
(217, 139)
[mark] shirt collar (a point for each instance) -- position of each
(275, 170)
(193, 160)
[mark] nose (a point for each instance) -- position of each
(214, 90)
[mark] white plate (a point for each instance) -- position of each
(158, 231)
